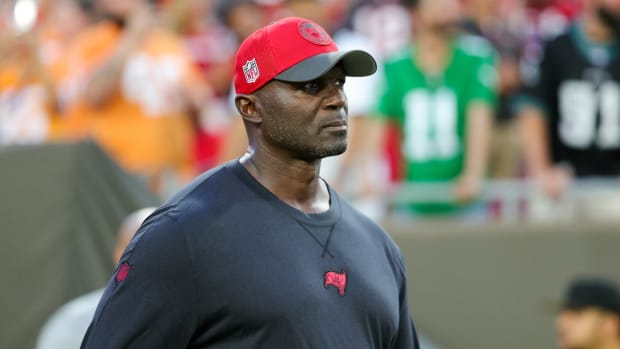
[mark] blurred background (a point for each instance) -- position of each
(487, 144)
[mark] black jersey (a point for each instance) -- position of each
(226, 264)
(579, 88)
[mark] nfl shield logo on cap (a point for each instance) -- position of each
(250, 70)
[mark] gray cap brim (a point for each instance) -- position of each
(355, 63)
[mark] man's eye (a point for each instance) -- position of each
(340, 82)
(311, 86)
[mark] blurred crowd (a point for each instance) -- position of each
(467, 90)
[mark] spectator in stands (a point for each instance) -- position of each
(440, 91)
(570, 116)
(67, 326)
(590, 316)
(131, 85)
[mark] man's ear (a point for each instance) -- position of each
(246, 105)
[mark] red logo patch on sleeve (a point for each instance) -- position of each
(123, 270)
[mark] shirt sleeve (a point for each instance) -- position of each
(484, 82)
(151, 299)
(407, 337)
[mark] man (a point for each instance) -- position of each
(440, 91)
(590, 318)
(261, 252)
(66, 327)
(570, 118)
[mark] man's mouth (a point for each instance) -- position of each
(335, 125)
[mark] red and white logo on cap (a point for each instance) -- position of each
(313, 33)
(250, 70)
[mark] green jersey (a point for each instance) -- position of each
(431, 109)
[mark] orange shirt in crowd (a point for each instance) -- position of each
(144, 124)
(25, 102)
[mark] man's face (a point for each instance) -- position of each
(307, 120)
(611, 5)
(439, 15)
(580, 329)
(609, 12)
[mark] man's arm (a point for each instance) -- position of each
(534, 140)
(369, 151)
(478, 137)
(105, 80)
(407, 337)
(534, 137)
(481, 101)
(150, 302)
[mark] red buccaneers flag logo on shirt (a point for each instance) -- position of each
(338, 280)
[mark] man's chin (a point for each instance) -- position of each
(334, 150)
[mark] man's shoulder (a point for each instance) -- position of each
(199, 201)
(207, 181)
(472, 53)
(560, 44)
(400, 58)
(400, 68)
(474, 46)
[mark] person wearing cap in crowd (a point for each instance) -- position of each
(261, 252)
(590, 315)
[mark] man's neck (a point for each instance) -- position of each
(595, 30)
(432, 50)
(293, 181)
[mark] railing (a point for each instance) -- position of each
(595, 199)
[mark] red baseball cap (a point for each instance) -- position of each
(293, 49)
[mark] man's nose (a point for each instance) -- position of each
(337, 99)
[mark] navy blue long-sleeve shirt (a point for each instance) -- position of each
(226, 264)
